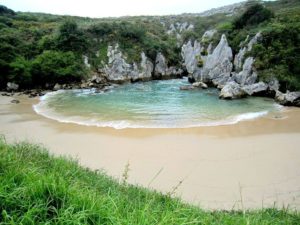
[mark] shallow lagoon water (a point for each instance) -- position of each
(153, 104)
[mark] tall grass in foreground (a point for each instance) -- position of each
(37, 188)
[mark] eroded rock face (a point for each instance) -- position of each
(239, 58)
(119, 71)
(190, 54)
(274, 84)
(218, 64)
(160, 66)
(232, 90)
(146, 68)
(247, 76)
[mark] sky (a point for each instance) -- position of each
(114, 8)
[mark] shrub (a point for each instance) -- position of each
(254, 15)
(71, 38)
(57, 67)
(20, 72)
(279, 54)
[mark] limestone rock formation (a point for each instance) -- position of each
(232, 90)
(190, 53)
(208, 35)
(200, 85)
(146, 68)
(239, 58)
(256, 89)
(288, 99)
(247, 76)
(160, 66)
(119, 71)
(218, 64)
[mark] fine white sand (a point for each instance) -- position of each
(251, 164)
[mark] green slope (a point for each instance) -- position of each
(37, 188)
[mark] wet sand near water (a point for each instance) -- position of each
(251, 164)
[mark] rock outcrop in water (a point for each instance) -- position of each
(236, 78)
(232, 90)
(288, 99)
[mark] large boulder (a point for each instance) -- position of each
(200, 85)
(57, 87)
(256, 89)
(218, 63)
(288, 99)
(191, 54)
(232, 90)
(10, 86)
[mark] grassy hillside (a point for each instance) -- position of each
(37, 188)
(33, 45)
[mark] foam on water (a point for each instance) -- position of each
(156, 104)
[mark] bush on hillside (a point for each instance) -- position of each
(57, 67)
(254, 15)
(278, 54)
(71, 38)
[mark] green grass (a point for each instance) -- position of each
(38, 188)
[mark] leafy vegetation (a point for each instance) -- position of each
(254, 15)
(37, 188)
(278, 54)
(24, 37)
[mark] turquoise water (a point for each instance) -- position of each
(154, 104)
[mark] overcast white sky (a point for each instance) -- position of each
(106, 8)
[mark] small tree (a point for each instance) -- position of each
(57, 67)
(71, 38)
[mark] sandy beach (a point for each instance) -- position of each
(251, 164)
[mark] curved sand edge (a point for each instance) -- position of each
(259, 159)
